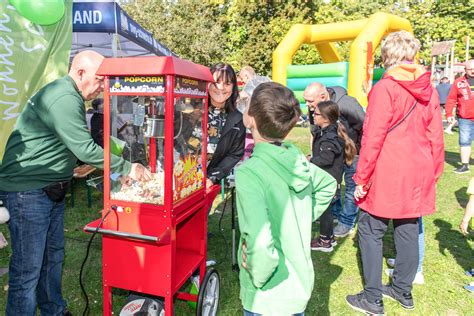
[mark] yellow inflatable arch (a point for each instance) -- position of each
(366, 35)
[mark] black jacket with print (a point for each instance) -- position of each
(230, 147)
(328, 151)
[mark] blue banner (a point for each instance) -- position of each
(93, 17)
(104, 17)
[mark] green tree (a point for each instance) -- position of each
(254, 30)
(190, 28)
(247, 32)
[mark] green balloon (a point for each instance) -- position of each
(42, 12)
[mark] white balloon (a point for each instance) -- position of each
(4, 215)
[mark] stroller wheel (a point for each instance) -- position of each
(208, 297)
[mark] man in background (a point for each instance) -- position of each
(443, 90)
(461, 96)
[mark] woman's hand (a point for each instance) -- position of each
(359, 192)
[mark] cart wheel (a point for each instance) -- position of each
(208, 297)
(142, 305)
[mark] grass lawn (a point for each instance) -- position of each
(448, 255)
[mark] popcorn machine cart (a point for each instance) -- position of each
(155, 232)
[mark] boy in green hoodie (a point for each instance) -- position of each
(279, 195)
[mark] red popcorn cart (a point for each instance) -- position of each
(154, 233)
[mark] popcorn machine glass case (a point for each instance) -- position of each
(155, 114)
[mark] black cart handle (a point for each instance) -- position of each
(117, 233)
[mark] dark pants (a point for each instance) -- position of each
(370, 233)
(326, 227)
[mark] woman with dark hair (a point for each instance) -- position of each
(332, 148)
(226, 131)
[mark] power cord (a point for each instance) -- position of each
(84, 262)
(221, 231)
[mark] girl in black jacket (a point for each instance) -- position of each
(226, 131)
(332, 147)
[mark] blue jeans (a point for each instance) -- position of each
(247, 313)
(348, 214)
(421, 244)
(466, 132)
(37, 239)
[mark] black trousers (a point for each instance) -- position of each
(326, 222)
(371, 230)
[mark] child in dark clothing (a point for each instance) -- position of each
(332, 147)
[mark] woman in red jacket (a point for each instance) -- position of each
(401, 159)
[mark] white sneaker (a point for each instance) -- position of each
(448, 131)
(419, 278)
(391, 262)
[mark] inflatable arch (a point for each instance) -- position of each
(366, 35)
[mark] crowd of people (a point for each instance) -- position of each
(390, 157)
(280, 191)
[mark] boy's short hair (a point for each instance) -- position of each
(275, 110)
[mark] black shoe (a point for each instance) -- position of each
(405, 299)
(463, 169)
(320, 244)
(360, 303)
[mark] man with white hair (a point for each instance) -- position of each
(49, 137)
(462, 96)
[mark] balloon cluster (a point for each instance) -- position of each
(42, 12)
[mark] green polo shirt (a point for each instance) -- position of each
(49, 137)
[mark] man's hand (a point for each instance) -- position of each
(244, 256)
(359, 192)
(139, 173)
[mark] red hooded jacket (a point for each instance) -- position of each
(400, 168)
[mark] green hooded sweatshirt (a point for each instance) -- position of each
(279, 195)
(49, 134)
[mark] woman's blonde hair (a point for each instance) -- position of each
(399, 47)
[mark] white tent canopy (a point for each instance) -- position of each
(103, 26)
